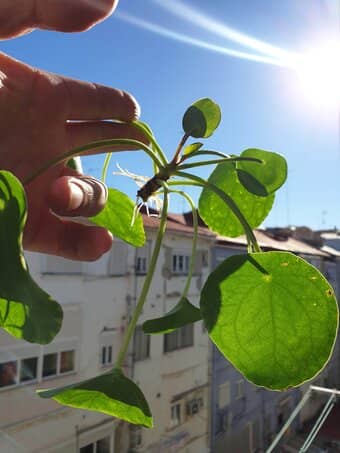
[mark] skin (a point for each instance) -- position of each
(38, 109)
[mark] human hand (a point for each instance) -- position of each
(35, 107)
(18, 17)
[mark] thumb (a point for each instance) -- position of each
(74, 196)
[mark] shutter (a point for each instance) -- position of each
(118, 258)
(198, 262)
(57, 265)
(167, 267)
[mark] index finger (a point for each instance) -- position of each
(92, 101)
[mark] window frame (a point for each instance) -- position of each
(180, 263)
(106, 353)
(136, 436)
(224, 395)
(175, 421)
(138, 346)
(58, 372)
(177, 337)
(39, 368)
(240, 385)
(95, 442)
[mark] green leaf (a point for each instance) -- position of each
(273, 315)
(190, 149)
(117, 216)
(75, 164)
(201, 118)
(218, 216)
(263, 178)
(26, 311)
(111, 393)
(182, 314)
(147, 129)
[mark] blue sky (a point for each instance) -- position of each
(263, 105)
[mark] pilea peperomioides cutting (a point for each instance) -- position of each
(272, 315)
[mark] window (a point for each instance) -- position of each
(32, 365)
(58, 363)
(223, 395)
(29, 369)
(100, 446)
(135, 436)
(107, 339)
(194, 406)
(180, 264)
(87, 449)
(141, 265)
(66, 361)
(103, 445)
(50, 365)
(117, 264)
(142, 259)
(175, 415)
(8, 373)
(106, 357)
(180, 338)
(141, 344)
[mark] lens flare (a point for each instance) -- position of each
(222, 30)
(319, 73)
(162, 31)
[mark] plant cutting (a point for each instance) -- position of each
(271, 314)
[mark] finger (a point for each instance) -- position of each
(18, 17)
(78, 134)
(70, 240)
(77, 196)
(91, 101)
(71, 15)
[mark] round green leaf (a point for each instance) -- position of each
(201, 118)
(117, 216)
(218, 216)
(263, 178)
(273, 315)
(26, 311)
(111, 393)
(182, 314)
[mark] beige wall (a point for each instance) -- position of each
(92, 300)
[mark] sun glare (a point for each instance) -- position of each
(319, 73)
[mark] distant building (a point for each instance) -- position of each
(98, 299)
(199, 401)
(244, 417)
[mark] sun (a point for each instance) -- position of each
(319, 73)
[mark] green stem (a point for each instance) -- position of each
(147, 282)
(194, 240)
(92, 146)
(106, 166)
(252, 241)
(175, 159)
(204, 152)
(140, 126)
(218, 161)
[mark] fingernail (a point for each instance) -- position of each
(137, 111)
(76, 198)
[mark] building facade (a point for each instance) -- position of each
(199, 401)
(245, 418)
(98, 300)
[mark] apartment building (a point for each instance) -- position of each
(98, 300)
(244, 417)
